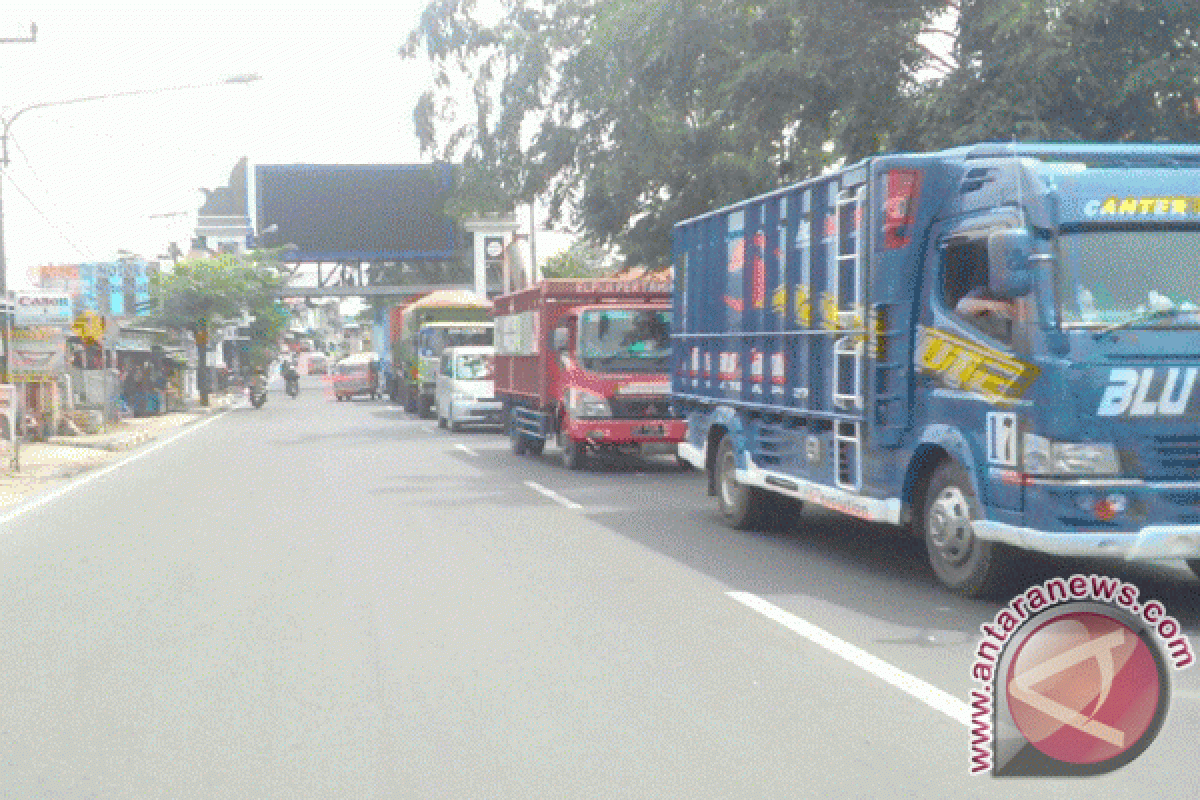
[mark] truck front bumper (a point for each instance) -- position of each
(477, 412)
(1151, 543)
(602, 431)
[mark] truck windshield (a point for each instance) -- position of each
(473, 367)
(625, 340)
(1130, 278)
(432, 341)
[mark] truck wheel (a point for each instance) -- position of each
(961, 561)
(574, 454)
(535, 446)
(741, 506)
(441, 421)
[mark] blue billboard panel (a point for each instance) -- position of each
(370, 212)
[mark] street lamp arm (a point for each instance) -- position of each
(243, 78)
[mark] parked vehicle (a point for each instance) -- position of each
(356, 375)
(585, 361)
(834, 346)
(466, 389)
(314, 363)
(438, 320)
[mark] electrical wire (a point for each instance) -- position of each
(47, 219)
(54, 207)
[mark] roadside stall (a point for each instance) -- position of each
(143, 381)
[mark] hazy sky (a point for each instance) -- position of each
(333, 90)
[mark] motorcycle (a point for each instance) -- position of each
(258, 393)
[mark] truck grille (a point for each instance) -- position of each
(1173, 457)
(640, 407)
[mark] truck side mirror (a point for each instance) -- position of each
(1009, 272)
(558, 339)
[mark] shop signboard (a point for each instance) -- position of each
(38, 354)
(41, 307)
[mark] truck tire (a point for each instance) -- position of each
(741, 506)
(574, 454)
(961, 561)
(535, 447)
(410, 400)
(441, 421)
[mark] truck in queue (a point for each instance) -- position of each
(585, 362)
(993, 347)
(441, 319)
(387, 332)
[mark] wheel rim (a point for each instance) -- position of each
(950, 525)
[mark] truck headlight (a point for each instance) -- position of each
(584, 404)
(1041, 456)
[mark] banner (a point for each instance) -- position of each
(38, 354)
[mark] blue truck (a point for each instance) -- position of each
(993, 347)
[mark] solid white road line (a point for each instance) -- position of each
(555, 496)
(465, 449)
(51, 496)
(927, 693)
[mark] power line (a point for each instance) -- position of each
(45, 188)
(47, 219)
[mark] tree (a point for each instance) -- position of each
(1075, 70)
(581, 260)
(200, 295)
(638, 113)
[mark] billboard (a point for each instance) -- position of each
(41, 307)
(369, 212)
(120, 288)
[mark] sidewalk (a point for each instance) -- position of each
(45, 464)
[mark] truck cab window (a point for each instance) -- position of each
(965, 288)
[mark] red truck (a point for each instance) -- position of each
(586, 361)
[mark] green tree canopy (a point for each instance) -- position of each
(1073, 70)
(639, 113)
(201, 295)
(635, 114)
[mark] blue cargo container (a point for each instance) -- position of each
(995, 347)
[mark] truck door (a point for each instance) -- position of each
(973, 358)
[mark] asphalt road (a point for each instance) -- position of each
(323, 599)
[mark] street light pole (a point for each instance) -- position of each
(6, 126)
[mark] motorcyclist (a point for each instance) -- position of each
(290, 376)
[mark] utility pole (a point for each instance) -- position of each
(6, 324)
